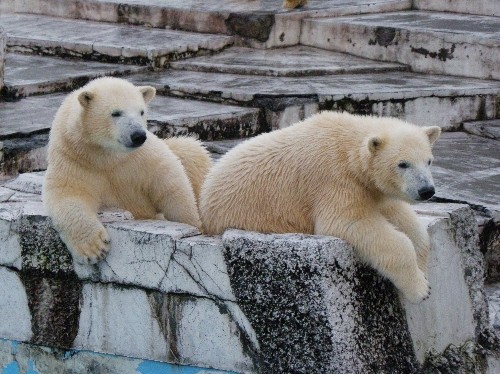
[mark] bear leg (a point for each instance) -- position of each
(384, 248)
(401, 215)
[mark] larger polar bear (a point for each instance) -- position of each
(333, 174)
(100, 154)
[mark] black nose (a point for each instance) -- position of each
(138, 138)
(426, 193)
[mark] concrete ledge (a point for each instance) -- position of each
(248, 302)
(2, 59)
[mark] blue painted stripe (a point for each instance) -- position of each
(31, 367)
(155, 367)
(12, 368)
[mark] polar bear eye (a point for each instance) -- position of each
(429, 162)
(116, 113)
(404, 165)
(142, 112)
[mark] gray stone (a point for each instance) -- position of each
(26, 75)
(488, 129)
(314, 308)
(422, 99)
(493, 294)
(292, 61)
(483, 7)
(105, 42)
(248, 20)
(15, 318)
(439, 43)
(2, 58)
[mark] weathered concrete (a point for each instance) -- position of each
(2, 59)
(292, 61)
(422, 99)
(488, 129)
(26, 123)
(483, 7)
(27, 75)
(105, 42)
(493, 294)
(16, 357)
(439, 43)
(255, 23)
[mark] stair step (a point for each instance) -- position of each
(482, 7)
(26, 123)
(467, 169)
(26, 75)
(424, 99)
(291, 61)
(258, 23)
(488, 129)
(440, 43)
(105, 42)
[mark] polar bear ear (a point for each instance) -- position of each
(432, 132)
(85, 98)
(375, 143)
(148, 93)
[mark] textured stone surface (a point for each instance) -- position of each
(423, 99)
(35, 359)
(493, 294)
(27, 75)
(248, 20)
(483, 7)
(292, 61)
(328, 314)
(2, 58)
(488, 129)
(105, 42)
(440, 43)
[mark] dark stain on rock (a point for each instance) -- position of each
(383, 36)
(42, 249)
(442, 55)
(54, 304)
(282, 37)
(490, 247)
(481, 111)
(292, 329)
(16, 153)
(382, 320)
(251, 25)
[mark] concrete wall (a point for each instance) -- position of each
(245, 303)
(481, 7)
(2, 57)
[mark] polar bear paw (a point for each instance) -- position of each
(92, 248)
(419, 289)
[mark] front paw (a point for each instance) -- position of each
(417, 289)
(90, 248)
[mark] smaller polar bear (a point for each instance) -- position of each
(101, 155)
(333, 174)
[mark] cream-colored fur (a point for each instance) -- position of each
(91, 164)
(292, 4)
(333, 174)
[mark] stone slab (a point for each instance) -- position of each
(2, 58)
(292, 61)
(27, 75)
(424, 99)
(34, 359)
(466, 168)
(487, 129)
(493, 295)
(105, 42)
(258, 23)
(483, 7)
(438, 43)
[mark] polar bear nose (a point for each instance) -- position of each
(426, 193)
(138, 138)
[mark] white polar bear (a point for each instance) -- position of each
(101, 155)
(333, 174)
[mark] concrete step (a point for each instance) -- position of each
(439, 43)
(27, 75)
(423, 99)
(488, 129)
(167, 293)
(483, 7)
(26, 123)
(256, 23)
(105, 42)
(289, 62)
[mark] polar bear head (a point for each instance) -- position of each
(400, 160)
(113, 113)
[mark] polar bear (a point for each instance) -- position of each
(292, 4)
(101, 155)
(333, 174)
